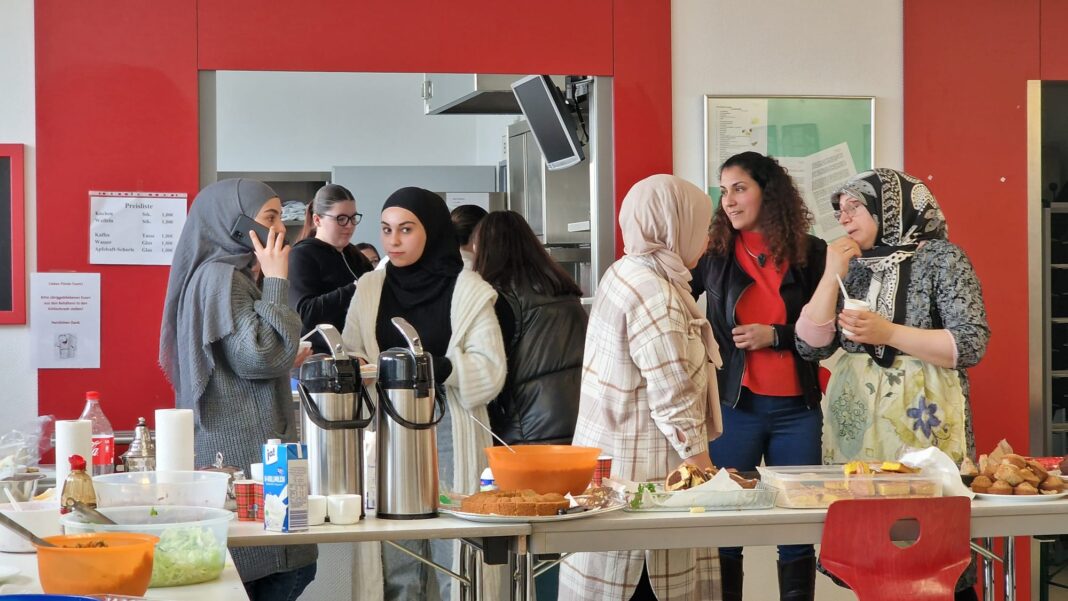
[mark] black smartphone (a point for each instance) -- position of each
(240, 230)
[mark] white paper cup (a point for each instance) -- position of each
(855, 305)
(344, 509)
(256, 472)
(317, 510)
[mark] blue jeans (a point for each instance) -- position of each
(782, 430)
(281, 586)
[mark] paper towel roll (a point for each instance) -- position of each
(174, 439)
(73, 437)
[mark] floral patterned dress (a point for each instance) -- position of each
(872, 411)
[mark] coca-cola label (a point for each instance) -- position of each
(103, 450)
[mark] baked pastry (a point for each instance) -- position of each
(1009, 474)
(981, 484)
(1037, 468)
(1014, 459)
(1000, 487)
(1052, 485)
(514, 503)
(892, 489)
(1030, 477)
(967, 468)
(1025, 488)
(687, 476)
(923, 488)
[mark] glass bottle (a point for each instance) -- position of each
(77, 487)
(103, 435)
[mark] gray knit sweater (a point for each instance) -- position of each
(248, 400)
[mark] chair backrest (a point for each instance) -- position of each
(857, 547)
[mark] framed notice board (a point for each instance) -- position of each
(12, 235)
(821, 140)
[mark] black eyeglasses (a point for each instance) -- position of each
(344, 220)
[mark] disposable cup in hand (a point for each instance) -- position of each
(855, 305)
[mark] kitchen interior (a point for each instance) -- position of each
(461, 135)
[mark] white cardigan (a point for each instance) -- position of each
(476, 352)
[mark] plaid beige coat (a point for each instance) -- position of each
(643, 402)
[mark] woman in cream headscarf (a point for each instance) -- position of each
(648, 387)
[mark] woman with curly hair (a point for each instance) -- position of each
(762, 266)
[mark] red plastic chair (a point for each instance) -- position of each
(857, 547)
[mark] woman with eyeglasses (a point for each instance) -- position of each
(902, 380)
(762, 266)
(324, 265)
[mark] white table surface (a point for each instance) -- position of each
(250, 534)
(227, 586)
(621, 530)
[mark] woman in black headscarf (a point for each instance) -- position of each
(452, 310)
(227, 343)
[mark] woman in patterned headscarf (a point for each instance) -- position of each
(902, 380)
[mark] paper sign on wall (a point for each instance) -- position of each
(134, 228)
(65, 320)
(456, 199)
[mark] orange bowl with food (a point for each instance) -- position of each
(95, 564)
(543, 468)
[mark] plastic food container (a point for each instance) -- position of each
(809, 486)
(39, 517)
(189, 488)
(122, 567)
(192, 540)
(543, 468)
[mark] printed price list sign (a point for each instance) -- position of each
(135, 228)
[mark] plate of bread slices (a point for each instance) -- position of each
(524, 506)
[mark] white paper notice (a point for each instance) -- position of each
(134, 228)
(455, 199)
(65, 320)
(741, 125)
(817, 176)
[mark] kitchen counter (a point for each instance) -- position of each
(227, 586)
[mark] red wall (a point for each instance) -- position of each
(966, 69)
(117, 110)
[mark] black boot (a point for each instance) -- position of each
(797, 580)
(730, 576)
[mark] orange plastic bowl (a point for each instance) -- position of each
(543, 468)
(123, 567)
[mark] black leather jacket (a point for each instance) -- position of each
(543, 339)
(724, 281)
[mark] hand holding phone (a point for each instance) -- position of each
(269, 246)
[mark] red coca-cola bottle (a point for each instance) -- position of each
(103, 435)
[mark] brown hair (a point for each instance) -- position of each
(784, 218)
(326, 197)
(508, 254)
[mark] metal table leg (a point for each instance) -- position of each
(1010, 568)
(521, 569)
(988, 572)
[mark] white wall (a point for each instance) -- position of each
(785, 47)
(283, 121)
(18, 400)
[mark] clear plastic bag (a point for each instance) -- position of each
(24, 446)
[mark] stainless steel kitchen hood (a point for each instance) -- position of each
(471, 94)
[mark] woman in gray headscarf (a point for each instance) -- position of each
(227, 343)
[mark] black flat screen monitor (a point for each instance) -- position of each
(550, 121)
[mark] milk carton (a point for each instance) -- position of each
(285, 486)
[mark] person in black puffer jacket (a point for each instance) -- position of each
(323, 265)
(544, 328)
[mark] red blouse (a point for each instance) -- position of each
(767, 371)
